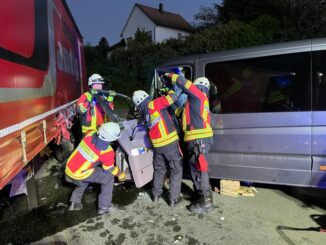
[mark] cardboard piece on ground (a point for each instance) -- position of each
(233, 188)
(246, 191)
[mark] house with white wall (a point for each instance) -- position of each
(159, 24)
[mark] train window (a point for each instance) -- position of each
(319, 80)
(267, 84)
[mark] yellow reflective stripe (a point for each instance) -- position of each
(110, 98)
(178, 111)
(88, 96)
(84, 168)
(155, 117)
(82, 176)
(168, 97)
(151, 105)
(187, 85)
(205, 115)
(86, 152)
(198, 134)
(166, 140)
(108, 150)
(174, 78)
(86, 129)
(184, 120)
(162, 128)
(115, 171)
(93, 122)
(206, 110)
(82, 108)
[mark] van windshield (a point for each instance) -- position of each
(157, 83)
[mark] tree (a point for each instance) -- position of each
(207, 16)
(141, 38)
(298, 19)
(103, 45)
(95, 57)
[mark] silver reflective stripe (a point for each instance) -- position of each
(155, 121)
(86, 152)
(13, 128)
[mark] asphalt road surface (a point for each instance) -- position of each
(275, 215)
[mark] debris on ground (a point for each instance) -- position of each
(60, 204)
(234, 189)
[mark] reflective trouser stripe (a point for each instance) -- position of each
(165, 140)
(198, 134)
(76, 176)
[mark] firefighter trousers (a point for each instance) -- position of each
(99, 176)
(200, 179)
(168, 157)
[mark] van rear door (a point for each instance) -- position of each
(319, 114)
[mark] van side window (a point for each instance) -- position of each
(268, 84)
(319, 80)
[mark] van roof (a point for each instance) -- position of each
(251, 52)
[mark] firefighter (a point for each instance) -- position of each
(164, 138)
(198, 136)
(92, 114)
(93, 162)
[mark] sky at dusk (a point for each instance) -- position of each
(98, 18)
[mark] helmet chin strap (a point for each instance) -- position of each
(99, 143)
(203, 89)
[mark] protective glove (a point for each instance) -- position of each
(111, 96)
(167, 77)
(94, 91)
(112, 93)
(122, 177)
(163, 90)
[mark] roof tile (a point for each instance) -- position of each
(166, 19)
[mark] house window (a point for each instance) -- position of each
(179, 35)
(129, 39)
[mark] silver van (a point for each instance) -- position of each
(271, 125)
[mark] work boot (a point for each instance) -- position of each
(205, 205)
(174, 203)
(110, 209)
(75, 206)
(156, 199)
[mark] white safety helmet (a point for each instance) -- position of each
(203, 81)
(95, 78)
(109, 132)
(139, 96)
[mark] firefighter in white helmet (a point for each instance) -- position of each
(198, 135)
(93, 162)
(92, 115)
(164, 137)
